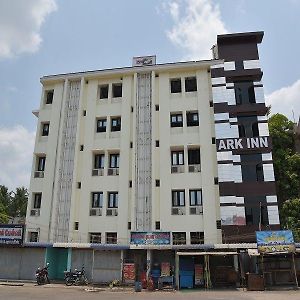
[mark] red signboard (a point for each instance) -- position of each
(129, 272)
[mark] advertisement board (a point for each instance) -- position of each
(150, 238)
(11, 234)
(199, 278)
(281, 241)
(165, 269)
(128, 272)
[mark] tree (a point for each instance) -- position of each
(290, 217)
(18, 204)
(4, 197)
(286, 161)
(3, 215)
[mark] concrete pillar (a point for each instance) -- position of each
(69, 261)
(122, 262)
(149, 262)
(177, 270)
(236, 262)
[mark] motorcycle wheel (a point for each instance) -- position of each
(69, 281)
(39, 281)
(85, 281)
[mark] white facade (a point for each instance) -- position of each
(147, 171)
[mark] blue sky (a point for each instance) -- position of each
(42, 37)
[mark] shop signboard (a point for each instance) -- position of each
(150, 238)
(199, 278)
(128, 272)
(243, 144)
(11, 234)
(281, 241)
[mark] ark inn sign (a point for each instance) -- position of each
(251, 143)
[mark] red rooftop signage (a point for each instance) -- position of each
(11, 234)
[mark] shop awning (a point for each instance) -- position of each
(205, 253)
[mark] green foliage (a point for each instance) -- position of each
(12, 204)
(286, 161)
(290, 217)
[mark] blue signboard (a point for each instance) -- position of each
(150, 238)
(275, 241)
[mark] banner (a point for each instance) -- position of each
(275, 241)
(199, 279)
(165, 269)
(11, 234)
(150, 238)
(129, 272)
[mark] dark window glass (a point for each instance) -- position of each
(248, 126)
(244, 92)
(255, 131)
(33, 236)
(242, 132)
(192, 119)
(114, 160)
(76, 225)
(175, 85)
(101, 125)
(197, 238)
(178, 198)
(157, 225)
(190, 84)
(37, 200)
(250, 165)
(97, 199)
(111, 238)
(45, 129)
(177, 158)
(116, 124)
(95, 238)
(99, 161)
(49, 96)
(251, 94)
(176, 120)
(179, 238)
(195, 197)
(41, 163)
(157, 143)
(259, 172)
(129, 226)
(104, 91)
(117, 90)
(194, 156)
(112, 201)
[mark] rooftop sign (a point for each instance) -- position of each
(144, 61)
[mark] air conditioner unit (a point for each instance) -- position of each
(34, 212)
(178, 211)
(96, 212)
(39, 174)
(97, 172)
(112, 212)
(113, 171)
(194, 168)
(197, 210)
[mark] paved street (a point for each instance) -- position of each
(32, 292)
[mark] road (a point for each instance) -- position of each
(60, 292)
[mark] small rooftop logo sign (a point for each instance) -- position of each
(140, 61)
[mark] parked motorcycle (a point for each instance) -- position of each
(76, 277)
(41, 275)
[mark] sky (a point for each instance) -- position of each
(43, 37)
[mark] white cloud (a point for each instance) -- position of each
(16, 148)
(286, 100)
(196, 24)
(20, 24)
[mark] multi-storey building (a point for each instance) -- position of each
(181, 148)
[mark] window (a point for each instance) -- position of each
(103, 91)
(33, 236)
(242, 132)
(197, 238)
(114, 160)
(190, 84)
(99, 161)
(111, 238)
(41, 163)
(101, 125)
(194, 156)
(248, 126)
(116, 124)
(49, 97)
(76, 225)
(97, 199)
(244, 92)
(178, 198)
(177, 158)
(156, 143)
(259, 172)
(129, 226)
(192, 119)
(117, 90)
(157, 225)
(45, 129)
(79, 185)
(179, 238)
(176, 120)
(195, 197)
(175, 85)
(255, 131)
(112, 201)
(37, 199)
(95, 237)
